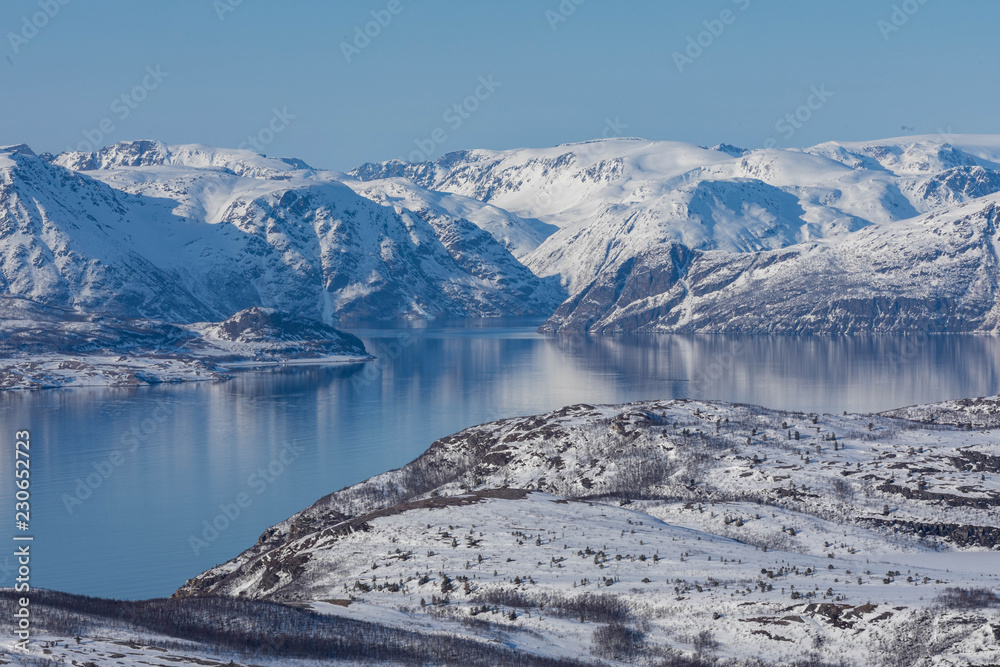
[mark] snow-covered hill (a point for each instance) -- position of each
(690, 529)
(44, 346)
(190, 233)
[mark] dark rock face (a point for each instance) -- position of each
(628, 291)
(973, 461)
(962, 535)
(268, 325)
(949, 499)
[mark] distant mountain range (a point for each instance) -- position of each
(882, 236)
(189, 233)
(603, 236)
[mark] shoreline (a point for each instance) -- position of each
(111, 370)
(318, 361)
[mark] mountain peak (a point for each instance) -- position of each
(20, 149)
(149, 153)
(142, 153)
(729, 149)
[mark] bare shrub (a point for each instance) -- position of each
(704, 642)
(843, 490)
(968, 598)
(617, 641)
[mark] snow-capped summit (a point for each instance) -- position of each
(147, 153)
(908, 156)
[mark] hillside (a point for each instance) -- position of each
(44, 346)
(668, 528)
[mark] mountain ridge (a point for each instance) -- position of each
(628, 211)
(604, 236)
(148, 235)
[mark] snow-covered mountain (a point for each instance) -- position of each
(191, 233)
(519, 236)
(931, 274)
(773, 532)
(626, 234)
(634, 215)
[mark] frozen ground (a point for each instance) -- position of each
(659, 531)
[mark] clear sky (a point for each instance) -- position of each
(217, 71)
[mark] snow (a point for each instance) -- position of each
(106, 647)
(44, 347)
(635, 232)
(695, 515)
(617, 202)
(189, 233)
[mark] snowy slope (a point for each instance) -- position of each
(884, 236)
(517, 235)
(147, 153)
(778, 534)
(68, 240)
(934, 273)
(614, 197)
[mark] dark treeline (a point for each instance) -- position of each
(247, 627)
(588, 607)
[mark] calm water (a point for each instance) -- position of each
(201, 445)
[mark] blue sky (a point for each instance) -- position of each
(295, 79)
